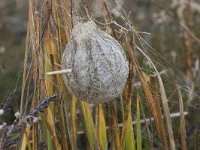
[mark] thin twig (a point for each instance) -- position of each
(148, 120)
(59, 72)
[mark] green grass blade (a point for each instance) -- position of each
(129, 141)
(138, 125)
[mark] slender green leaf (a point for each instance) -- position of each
(138, 125)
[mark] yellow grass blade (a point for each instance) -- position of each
(49, 88)
(129, 141)
(25, 140)
(59, 89)
(53, 54)
(89, 126)
(127, 137)
(50, 125)
(127, 131)
(73, 124)
(102, 138)
(34, 136)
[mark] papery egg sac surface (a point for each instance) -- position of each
(98, 62)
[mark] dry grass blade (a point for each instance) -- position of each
(25, 140)
(154, 85)
(50, 125)
(114, 126)
(102, 137)
(59, 108)
(66, 12)
(51, 59)
(152, 105)
(34, 137)
(164, 103)
(89, 126)
(182, 120)
(49, 89)
(167, 113)
(49, 48)
(73, 124)
(24, 69)
(127, 129)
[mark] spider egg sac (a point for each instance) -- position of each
(99, 65)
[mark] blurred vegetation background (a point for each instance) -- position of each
(172, 28)
(13, 19)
